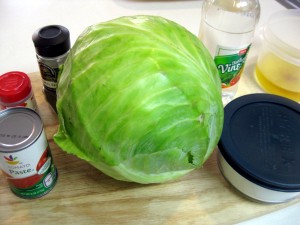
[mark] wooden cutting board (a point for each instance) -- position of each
(83, 195)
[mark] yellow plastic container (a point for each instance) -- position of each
(278, 65)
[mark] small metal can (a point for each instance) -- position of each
(25, 157)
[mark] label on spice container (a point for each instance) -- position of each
(49, 76)
(230, 64)
(29, 103)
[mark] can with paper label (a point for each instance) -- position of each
(25, 157)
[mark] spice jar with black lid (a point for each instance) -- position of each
(52, 45)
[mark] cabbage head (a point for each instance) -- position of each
(139, 98)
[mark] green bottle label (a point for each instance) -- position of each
(230, 63)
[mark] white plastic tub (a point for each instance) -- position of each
(259, 150)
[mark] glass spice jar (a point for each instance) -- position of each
(52, 45)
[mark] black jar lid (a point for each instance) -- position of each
(51, 41)
(261, 140)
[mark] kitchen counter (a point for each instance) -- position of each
(83, 195)
(19, 19)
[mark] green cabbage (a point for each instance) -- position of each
(139, 98)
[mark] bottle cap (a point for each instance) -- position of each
(14, 86)
(51, 41)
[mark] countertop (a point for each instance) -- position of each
(83, 195)
(20, 18)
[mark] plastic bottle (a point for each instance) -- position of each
(52, 45)
(16, 91)
(227, 29)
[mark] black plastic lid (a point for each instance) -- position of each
(261, 140)
(51, 41)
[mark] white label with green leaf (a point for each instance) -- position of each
(230, 63)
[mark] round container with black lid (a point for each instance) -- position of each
(259, 150)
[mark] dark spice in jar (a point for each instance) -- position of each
(52, 45)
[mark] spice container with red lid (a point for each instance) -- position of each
(16, 91)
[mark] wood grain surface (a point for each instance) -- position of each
(84, 195)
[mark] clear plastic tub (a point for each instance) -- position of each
(278, 65)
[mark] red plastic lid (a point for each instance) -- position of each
(14, 86)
